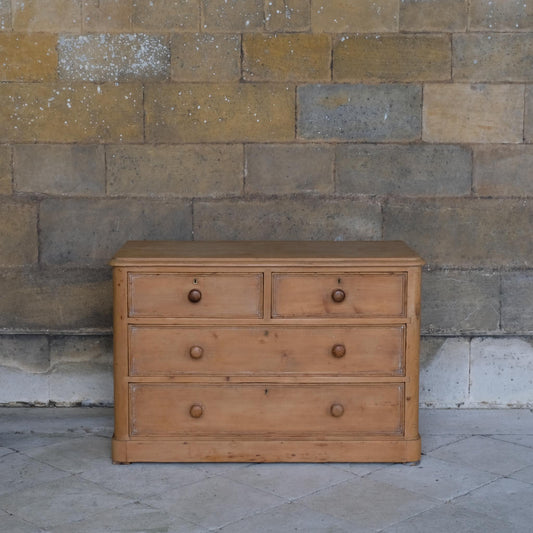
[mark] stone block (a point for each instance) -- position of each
(481, 57)
(24, 366)
(81, 370)
(18, 233)
(33, 112)
(113, 57)
(97, 349)
(28, 57)
(392, 58)
(288, 57)
(346, 16)
(186, 171)
(503, 170)
(6, 178)
(107, 15)
(289, 168)
(237, 16)
(517, 302)
(206, 57)
(433, 15)
(81, 384)
(411, 170)
(219, 113)
(5, 15)
(166, 15)
(528, 126)
(23, 388)
(89, 231)
(287, 15)
(460, 302)
(464, 113)
(47, 15)
(287, 219)
(74, 170)
(464, 232)
(501, 15)
(501, 372)
(370, 113)
(56, 299)
(444, 371)
(26, 353)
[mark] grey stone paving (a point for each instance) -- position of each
(56, 476)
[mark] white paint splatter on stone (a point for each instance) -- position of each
(113, 57)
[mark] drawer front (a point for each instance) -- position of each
(195, 296)
(265, 410)
(338, 295)
(359, 350)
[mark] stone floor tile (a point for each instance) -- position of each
(59, 502)
(475, 421)
(361, 469)
(5, 451)
(525, 475)
(10, 524)
(214, 502)
(142, 480)
(133, 517)
(289, 480)
(75, 455)
(487, 454)
(434, 442)
(215, 469)
(367, 503)
(17, 472)
(523, 440)
(22, 442)
(506, 499)
(450, 517)
(434, 478)
(293, 516)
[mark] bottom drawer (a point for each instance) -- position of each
(266, 410)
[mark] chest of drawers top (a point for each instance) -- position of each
(267, 253)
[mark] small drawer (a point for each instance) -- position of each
(359, 350)
(195, 295)
(338, 295)
(265, 410)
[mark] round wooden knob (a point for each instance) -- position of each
(338, 295)
(337, 410)
(195, 296)
(196, 410)
(196, 352)
(339, 350)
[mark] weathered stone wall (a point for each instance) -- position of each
(274, 119)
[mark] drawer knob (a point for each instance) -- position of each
(336, 410)
(338, 295)
(339, 350)
(196, 352)
(195, 296)
(196, 410)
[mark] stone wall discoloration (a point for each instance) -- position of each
(113, 57)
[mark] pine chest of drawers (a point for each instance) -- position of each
(266, 351)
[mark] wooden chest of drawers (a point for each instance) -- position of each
(266, 351)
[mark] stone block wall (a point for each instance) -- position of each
(266, 119)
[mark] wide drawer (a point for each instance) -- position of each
(338, 295)
(265, 410)
(195, 295)
(359, 350)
